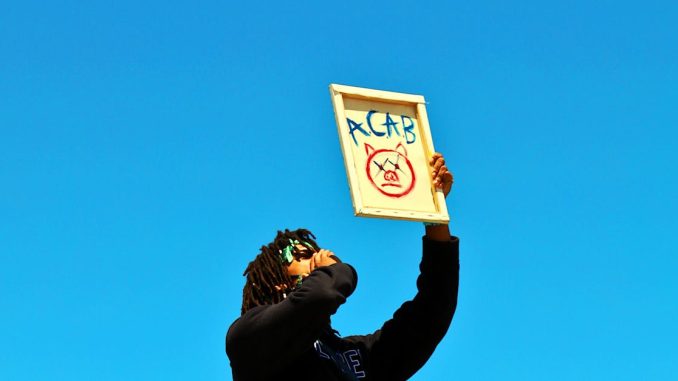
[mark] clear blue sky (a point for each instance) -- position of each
(147, 151)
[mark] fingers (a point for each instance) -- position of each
(437, 161)
(322, 258)
(441, 176)
(438, 169)
(311, 263)
(326, 257)
(436, 156)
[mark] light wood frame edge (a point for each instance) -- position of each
(360, 92)
(339, 113)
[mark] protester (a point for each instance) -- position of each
(293, 287)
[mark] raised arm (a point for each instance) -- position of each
(406, 341)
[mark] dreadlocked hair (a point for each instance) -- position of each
(267, 270)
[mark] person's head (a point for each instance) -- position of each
(275, 271)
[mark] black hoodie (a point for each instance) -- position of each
(292, 340)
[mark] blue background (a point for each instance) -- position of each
(147, 151)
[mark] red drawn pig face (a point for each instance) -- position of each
(390, 171)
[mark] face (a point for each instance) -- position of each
(301, 264)
(390, 171)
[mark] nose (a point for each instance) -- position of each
(390, 176)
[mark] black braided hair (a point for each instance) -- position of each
(267, 270)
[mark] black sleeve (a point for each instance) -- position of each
(275, 334)
(405, 342)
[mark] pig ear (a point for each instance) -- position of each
(369, 149)
(400, 148)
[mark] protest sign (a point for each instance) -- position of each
(386, 142)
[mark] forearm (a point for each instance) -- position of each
(406, 341)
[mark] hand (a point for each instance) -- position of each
(322, 258)
(442, 177)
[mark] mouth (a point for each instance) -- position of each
(391, 185)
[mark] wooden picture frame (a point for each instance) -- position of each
(386, 142)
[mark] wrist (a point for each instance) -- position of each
(437, 231)
(428, 224)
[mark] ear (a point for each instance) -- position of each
(400, 148)
(368, 149)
